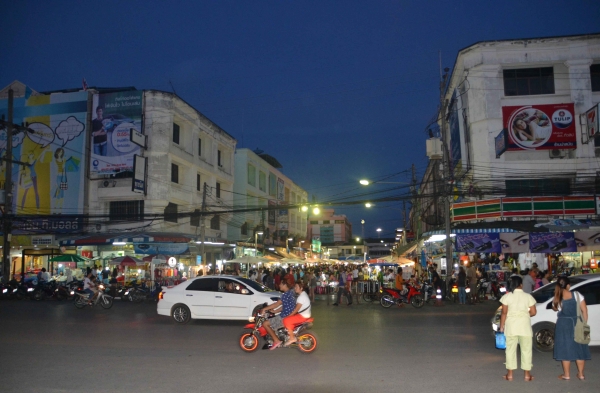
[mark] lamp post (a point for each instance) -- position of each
(378, 232)
(256, 242)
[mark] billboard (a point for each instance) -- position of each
(54, 148)
(514, 242)
(139, 174)
(540, 127)
(113, 117)
(478, 242)
(552, 242)
(501, 142)
(587, 240)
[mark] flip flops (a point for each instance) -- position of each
(563, 378)
(276, 345)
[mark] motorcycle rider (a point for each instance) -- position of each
(287, 303)
(89, 286)
(300, 314)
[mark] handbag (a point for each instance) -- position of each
(500, 340)
(582, 329)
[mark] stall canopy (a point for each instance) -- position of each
(68, 258)
(138, 237)
(126, 261)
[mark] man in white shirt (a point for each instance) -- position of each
(88, 286)
(390, 276)
(355, 273)
(45, 275)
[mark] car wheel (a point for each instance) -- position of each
(181, 314)
(543, 336)
(386, 301)
(248, 341)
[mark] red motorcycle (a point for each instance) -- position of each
(390, 296)
(250, 338)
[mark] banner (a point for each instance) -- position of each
(540, 127)
(139, 174)
(591, 117)
(501, 142)
(161, 248)
(113, 117)
(552, 242)
(587, 241)
(478, 242)
(514, 242)
(271, 211)
(52, 180)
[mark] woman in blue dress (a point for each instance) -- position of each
(566, 349)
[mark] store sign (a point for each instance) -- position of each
(161, 248)
(552, 242)
(478, 242)
(172, 262)
(540, 127)
(139, 174)
(591, 117)
(501, 142)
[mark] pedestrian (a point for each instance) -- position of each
(529, 281)
(462, 285)
(342, 288)
(313, 286)
(472, 278)
(547, 277)
(539, 279)
(566, 349)
(517, 309)
(277, 278)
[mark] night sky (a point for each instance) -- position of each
(335, 90)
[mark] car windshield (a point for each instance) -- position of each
(547, 291)
(254, 285)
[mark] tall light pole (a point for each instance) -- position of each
(378, 232)
(256, 242)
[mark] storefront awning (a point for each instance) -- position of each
(407, 248)
(140, 237)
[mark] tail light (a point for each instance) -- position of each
(161, 295)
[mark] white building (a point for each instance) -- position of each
(259, 184)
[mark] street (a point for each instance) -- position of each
(53, 347)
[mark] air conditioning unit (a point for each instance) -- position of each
(556, 153)
(108, 183)
(434, 148)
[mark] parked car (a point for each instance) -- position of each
(544, 322)
(214, 297)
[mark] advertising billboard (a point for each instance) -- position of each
(552, 242)
(478, 242)
(514, 242)
(52, 181)
(540, 127)
(114, 115)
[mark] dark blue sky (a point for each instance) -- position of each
(336, 90)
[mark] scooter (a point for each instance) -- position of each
(250, 338)
(427, 293)
(82, 299)
(390, 296)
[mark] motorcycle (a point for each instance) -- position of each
(250, 338)
(497, 290)
(390, 296)
(45, 290)
(102, 298)
(427, 293)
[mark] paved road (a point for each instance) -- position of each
(54, 347)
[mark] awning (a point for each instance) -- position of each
(109, 238)
(407, 248)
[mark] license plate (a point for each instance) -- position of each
(455, 290)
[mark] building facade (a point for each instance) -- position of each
(330, 228)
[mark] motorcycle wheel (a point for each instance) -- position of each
(307, 343)
(81, 302)
(417, 301)
(59, 296)
(387, 301)
(139, 297)
(367, 297)
(248, 342)
(19, 296)
(106, 302)
(38, 295)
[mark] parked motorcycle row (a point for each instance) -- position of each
(484, 287)
(55, 290)
(416, 296)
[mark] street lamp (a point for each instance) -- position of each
(366, 182)
(368, 204)
(378, 232)
(256, 242)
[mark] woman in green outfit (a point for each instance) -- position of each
(517, 309)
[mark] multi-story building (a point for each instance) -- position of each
(260, 187)
(522, 138)
(330, 228)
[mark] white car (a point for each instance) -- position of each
(544, 322)
(214, 297)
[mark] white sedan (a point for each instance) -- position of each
(544, 322)
(214, 297)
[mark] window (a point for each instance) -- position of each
(252, 175)
(171, 212)
(325, 221)
(262, 181)
(314, 222)
(244, 229)
(538, 187)
(219, 158)
(529, 81)
(359, 251)
(272, 184)
(595, 75)
(198, 182)
(204, 284)
(126, 211)
(175, 133)
(174, 173)
(590, 292)
(340, 221)
(195, 218)
(200, 147)
(215, 222)
(218, 190)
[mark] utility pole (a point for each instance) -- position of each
(7, 227)
(404, 222)
(447, 174)
(203, 225)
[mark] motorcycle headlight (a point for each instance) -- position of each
(72, 292)
(4, 290)
(502, 289)
(30, 289)
(101, 286)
